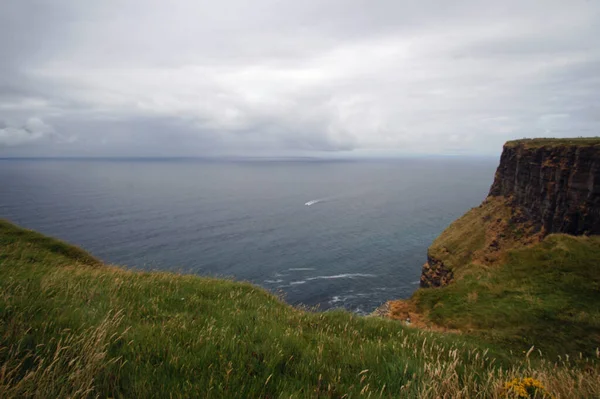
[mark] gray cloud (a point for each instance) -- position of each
(34, 129)
(272, 78)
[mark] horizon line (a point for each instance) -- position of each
(243, 157)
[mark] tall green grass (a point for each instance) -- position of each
(72, 327)
(547, 295)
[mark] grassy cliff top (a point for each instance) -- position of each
(547, 295)
(554, 142)
(512, 287)
(73, 327)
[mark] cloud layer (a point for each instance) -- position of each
(147, 77)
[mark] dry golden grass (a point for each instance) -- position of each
(69, 370)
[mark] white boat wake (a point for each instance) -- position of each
(315, 201)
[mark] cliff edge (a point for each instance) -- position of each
(521, 268)
(542, 186)
(555, 182)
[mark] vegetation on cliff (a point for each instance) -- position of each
(547, 295)
(73, 327)
(503, 275)
(480, 237)
(511, 285)
(554, 142)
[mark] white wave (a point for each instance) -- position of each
(298, 282)
(416, 282)
(358, 310)
(298, 269)
(273, 281)
(346, 275)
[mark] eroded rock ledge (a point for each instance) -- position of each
(435, 273)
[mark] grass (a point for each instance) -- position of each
(547, 295)
(514, 287)
(554, 142)
(73, 327)
(481, 236)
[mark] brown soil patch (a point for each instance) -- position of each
(503, 234)
(406, 312)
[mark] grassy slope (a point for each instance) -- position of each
(70, 326)
(545, 294)
(481, 237)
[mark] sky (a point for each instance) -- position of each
(330, 78)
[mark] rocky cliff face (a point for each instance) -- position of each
(557, 184)
(542, 186)
(435, 273)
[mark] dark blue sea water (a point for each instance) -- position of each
(361, 242)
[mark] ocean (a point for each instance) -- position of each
(322, 234)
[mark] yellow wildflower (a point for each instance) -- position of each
(526, 388)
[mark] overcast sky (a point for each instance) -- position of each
(279, 78)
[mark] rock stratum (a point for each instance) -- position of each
(556, 184)
(542, 186)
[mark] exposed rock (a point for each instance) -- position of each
(382, 310)
(435, 273)
(556, 185)
(542, 186)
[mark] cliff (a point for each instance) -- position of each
(542, 186)
(506, 271)
(555, 182)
